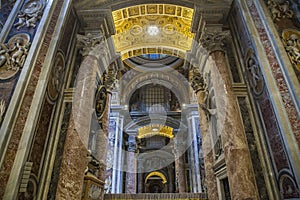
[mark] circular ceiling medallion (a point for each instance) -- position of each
(169, 29)
(136, 30)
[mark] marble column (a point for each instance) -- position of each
(102, 139)
(180, 174)
(237, 157)
(74, 162)
(140, 182)
(210, 178)
(131, 179)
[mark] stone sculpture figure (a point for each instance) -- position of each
(279, 11)
(32, 19)
(30, 14)
(291, 41)
(22, 20)
(4, 55)
(13, 55)
(20, 51)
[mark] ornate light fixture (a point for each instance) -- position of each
(155, 129)
(152, 30)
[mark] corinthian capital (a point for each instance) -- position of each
(216, 40)
(89, 42)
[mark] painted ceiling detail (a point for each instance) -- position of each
(153, 28)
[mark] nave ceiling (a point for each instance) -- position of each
(149, 27)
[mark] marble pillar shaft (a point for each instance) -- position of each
(72, 168)
(131, 179)
(210, 178)
(140, 182)
(180, 173)
(237, 156)
(102, 144)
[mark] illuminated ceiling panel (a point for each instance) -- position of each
(153, 28)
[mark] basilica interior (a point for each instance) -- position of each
(149, 99)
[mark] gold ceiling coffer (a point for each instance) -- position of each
(155, 28)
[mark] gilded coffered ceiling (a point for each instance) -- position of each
(153, 28)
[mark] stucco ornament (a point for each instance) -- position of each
(30, 14)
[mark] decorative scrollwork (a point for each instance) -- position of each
(30, 14)
(13, 55)
(291, 41)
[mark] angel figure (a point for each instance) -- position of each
(292, 46)
(4, 56)
(22, 20)
(33, 18)
(20, 53)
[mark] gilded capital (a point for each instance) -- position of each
(216, 40)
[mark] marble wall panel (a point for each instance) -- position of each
(59, 152)
(25, 105)
(277, 72)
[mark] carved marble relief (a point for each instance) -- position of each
(30, 14)
(2, 109)
(13, 55)
(291, 42)
(254, 74)
(101, 99)
(111, 76)
(56, 78)
(279, 10)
